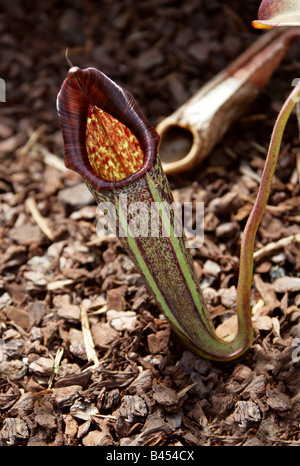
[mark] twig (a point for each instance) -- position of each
(270, 208)
(97, 241)
(298, 153)
(67, 57)
(52, 160)
(34, 137)
(58, 284)
(101, 310)
(41, 221)
(294, 218)
(271, 247)
(87, 337)
(298, 164)
(104, 416)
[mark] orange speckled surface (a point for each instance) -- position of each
(113, 151)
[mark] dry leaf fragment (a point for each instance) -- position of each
(40, 220)
(87, 337)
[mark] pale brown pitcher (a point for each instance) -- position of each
(189, 134)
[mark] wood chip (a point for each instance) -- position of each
(77, 196)
(122, 320)
(246, 412)
(17, 315)
(287, 284)
(278, 401)
(77, 346)
(42, 366)
(166, 396)
(65, 310)
(13, 370)
(157, 342)
(95, 438)
(115, 299)
(15, 431)
(103, 334)
(65, 396)
(26, 234)
(133, 408)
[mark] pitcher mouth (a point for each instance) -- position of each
(87, 88)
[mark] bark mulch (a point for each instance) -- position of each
(123, 377)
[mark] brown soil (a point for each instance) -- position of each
(147, 388)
